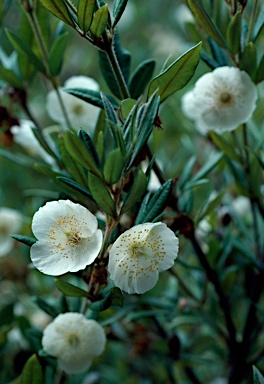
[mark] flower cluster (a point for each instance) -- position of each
(74, 340)
(221, 100)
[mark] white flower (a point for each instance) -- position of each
(139, 254)
(221, 100)
(74, 340)
(68, 238)
(24, 136)
(81, 114)
(10, 222)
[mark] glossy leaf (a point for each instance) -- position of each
(91, 97)
(73, 184)
(56, 54)
(79, 152)
(141, 77)
(9, 77)
(177, 75)
(85, 11)
(99, 22)
(32, 372)
(70, 290)
(137, 190)
(59, 9)
(101, 195)
(248, 60)
(257, 376)
(86, 139)
(24, 239)
(118, 9)
(23, 48)
(113, 166)
(205, 21)
(233, 34)
(152, 207)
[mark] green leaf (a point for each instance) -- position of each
(248, 60)
(126, 107)
(233, 34)
(258, 25)
(79, 152)
(86, 139)
(206, 22)
(71, 165)
(141, 77)
(260, 71)
(218, 53)
(71, 183)
(85, 11)
(137, 190)
(99, 22)
(70, 290)
(186, 173)
(59, 9)
(211, 203)
(209, 61)
(24, 239)
(91, 97)
(114, 297)
(46, 307)
(118, 9)
(113, 166)
(208, 166)
(109, 109)
(257, 376)
(32, 372)
(224, 146)
(152, 207)
(23, 48)
(177, 75)
(9, 77)
(56, 54)
(101, 195)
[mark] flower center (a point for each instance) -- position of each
(73, 238)
(73, 340)
(77, 109)
(225, 97)
(137, 250)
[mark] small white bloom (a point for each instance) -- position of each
(10, 222)
(81, 114)
(68, 238)
(24, 136)
(74, 340)
(221, 100)
(139, 254)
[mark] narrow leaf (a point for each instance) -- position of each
(79, 152)
(257, 376)
(70, 290)
(86, 139)
(23, 48)
(10, 78)
(113, 166)
(99, 22)
(205, 21)
(218, 53)
(59, 9)
(85, 12)
(141, 77)
(91, 97)
(233, 34)
(248, 60)
(260, 71)
(114, 297)
(136, 191)
(56, 54)
(109, 109)
(71, 183)
(118, 9)
(24, 239)
(177, 75)
(32, 372)
(224, 146)
(46, 307)
(208, 166)
(101, 195)
(259, 24)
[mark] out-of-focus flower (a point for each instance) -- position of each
(81, 114)
(74, 340)
(183, 15)
(139, 254)
(221, 100)
(68, 238)
(241, 205)
(24, 136)
(10, 222)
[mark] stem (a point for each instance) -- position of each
(191, 375)
(116, 69)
